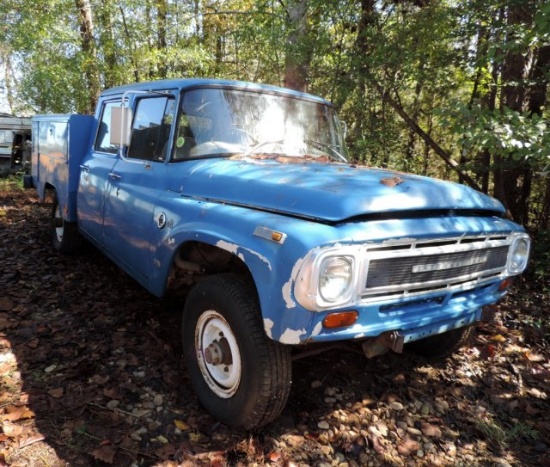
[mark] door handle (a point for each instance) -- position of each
(85, 168)
(114, 176)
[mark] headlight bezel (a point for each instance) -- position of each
(307, 288)
(517, 263)
(341, 269)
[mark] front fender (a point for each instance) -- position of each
(234, 229)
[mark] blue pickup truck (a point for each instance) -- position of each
(243, 195)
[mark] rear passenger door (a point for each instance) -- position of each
(136, 182)
(94, 176)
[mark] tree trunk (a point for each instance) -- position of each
(107, 44)
(90, 54)
(162, 12)
(516, 178)
(298, 52)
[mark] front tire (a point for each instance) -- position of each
(240, 376)
(65, 236)
(443, 345)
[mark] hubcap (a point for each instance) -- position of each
(218, 354)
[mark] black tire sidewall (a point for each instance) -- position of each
(71, 241)
(239, 409)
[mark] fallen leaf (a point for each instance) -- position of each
(534, 357)
(11, 430)
(17, 413)
(33, 343)
(408, 446)
(195, 437)
(166, 451)
(105, 454)
(56, 393)
(182, 426)
(498, 338)
(274, 456)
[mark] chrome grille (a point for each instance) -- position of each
(413, 268)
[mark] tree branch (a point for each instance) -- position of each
(425, 136)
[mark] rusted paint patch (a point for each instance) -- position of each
(391, 181)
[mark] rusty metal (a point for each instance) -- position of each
(391, 340)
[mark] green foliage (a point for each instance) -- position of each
(500, 436)
(540, 257)
(505, 132)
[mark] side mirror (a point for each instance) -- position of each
(121, 121)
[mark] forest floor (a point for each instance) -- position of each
(91, 374)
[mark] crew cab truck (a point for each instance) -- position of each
(244, 193)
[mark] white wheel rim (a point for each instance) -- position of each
(58, 221)
(212, 332)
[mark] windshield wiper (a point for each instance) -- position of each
(330, 147)
(333, 153)
(257, 146)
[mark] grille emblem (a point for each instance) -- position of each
(449, 264)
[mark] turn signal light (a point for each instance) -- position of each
(340, 320)
(506, 284)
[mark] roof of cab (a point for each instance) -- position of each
(187, 83)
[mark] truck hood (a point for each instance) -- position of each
(331, 192)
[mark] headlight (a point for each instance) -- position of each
(519, 254)
(335, 278)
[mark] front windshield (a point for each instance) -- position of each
(231, 122)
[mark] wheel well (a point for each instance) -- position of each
(194, 260)
(49, 191)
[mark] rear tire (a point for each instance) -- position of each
(240, 376)
(443, 345)
(65, 236)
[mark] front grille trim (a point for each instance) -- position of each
(441, 265)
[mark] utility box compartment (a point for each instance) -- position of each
(59, 145)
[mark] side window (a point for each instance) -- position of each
(151, 128)
(102, 142)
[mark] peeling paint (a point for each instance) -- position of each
(268, 327)
(317, 329)
(287, 287)
(261, 257)
(291, 336)
(233, 248)
(287, 294)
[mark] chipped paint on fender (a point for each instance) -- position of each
(268, 327)
(233, 248)
(317, 329)
(291, 336)
(287, 287)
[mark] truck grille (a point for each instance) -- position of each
(412, 268)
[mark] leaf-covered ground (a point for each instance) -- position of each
(91, 374)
